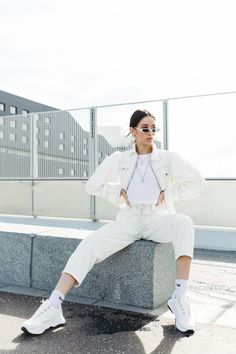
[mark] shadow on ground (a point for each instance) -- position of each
(89, 329)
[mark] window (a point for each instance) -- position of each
(12, 123)
(13, 110)
(72, 172)
(47, 120)
(24, 139)
(85, 151)
(46, 144)
(1, 121)
(24, 126)
(72, 138)
(61, 171)
(85, 173)
(12, 137)
(2, 107)
(61, 135)
(25, 112)
(85, 140)
(61, 147)
(72, 149)
(46, 132)
(1, 135)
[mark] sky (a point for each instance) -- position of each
(72, 53)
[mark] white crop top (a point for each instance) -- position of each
(146, 192)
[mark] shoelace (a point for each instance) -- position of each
(185, 309)
(43, 308)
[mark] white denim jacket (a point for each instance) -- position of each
(177, 177)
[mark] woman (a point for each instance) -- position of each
(144, 182)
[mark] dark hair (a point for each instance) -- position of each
(137, 116)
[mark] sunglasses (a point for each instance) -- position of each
(147, 130)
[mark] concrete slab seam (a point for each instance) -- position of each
(31, 259)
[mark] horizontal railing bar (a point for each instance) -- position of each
(160, 99)
(86, 179)
(202, 95)
(43, 179)
(126, 103)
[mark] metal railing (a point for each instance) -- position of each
(69, 145)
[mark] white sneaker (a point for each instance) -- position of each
(184, 321)
(44, 317)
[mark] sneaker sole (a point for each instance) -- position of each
(25, 330)
(188, 331)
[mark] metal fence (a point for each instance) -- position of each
(64, 145)
(69, 145)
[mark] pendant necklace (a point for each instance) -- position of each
(142, 176)
(143, 159)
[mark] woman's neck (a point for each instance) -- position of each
(143, 149)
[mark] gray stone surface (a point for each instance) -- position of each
(49, 257)
(133, 276)
(15, 258)
(141, 275)
(164, 271)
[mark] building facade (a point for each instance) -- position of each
(40, 141)
(11, 105)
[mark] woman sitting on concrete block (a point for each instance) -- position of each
(144, 182)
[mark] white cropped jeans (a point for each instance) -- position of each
(140, 221)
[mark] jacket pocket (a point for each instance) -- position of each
(165, 176)
(124, 165)
(164, 171)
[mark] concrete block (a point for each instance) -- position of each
(140, 275)
(49, 256)
(15, 258)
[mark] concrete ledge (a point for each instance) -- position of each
(15, 258)
(84, 301)
(49, 256)
(141, 275)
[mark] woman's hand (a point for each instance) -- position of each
(123, 193)
(161, 198)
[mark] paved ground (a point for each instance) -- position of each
(92, 329)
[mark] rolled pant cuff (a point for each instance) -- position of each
(179, 254)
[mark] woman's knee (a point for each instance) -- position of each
(183, 219)
(86, 248)
(183, 235)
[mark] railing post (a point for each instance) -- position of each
(33, 156)
(93, 156)
(165, 125)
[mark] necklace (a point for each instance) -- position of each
(142, 176)
(143, 159)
